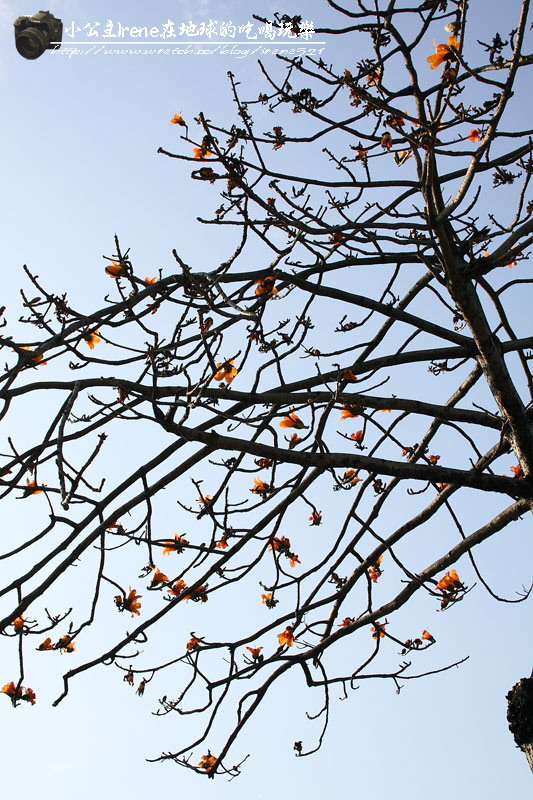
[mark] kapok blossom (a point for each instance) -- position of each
(349, 412)
(91, 338)
(201, 153)
(226, 371)
(18, 623)
(449, 581)
(316, 517)
(178, 588)
(177, 119)
(31, 488)
(176, 546)
(378, 630)
(130, 603)
(46, 645)
(158, 577)
(207, 762)
(291, 421)
(286, 638)
(37, 360)
(266, 286)
(260, 487)
(65, 644)
(115, 270)
(442, 52)
(256, 652)
(375, 570)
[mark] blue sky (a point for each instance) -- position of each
(79, 161)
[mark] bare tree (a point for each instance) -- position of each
(308, 417)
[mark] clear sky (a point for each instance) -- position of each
(79, 164)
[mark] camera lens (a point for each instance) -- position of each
(32, 42)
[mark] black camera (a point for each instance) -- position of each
(34, 35)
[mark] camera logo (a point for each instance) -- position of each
(34, 35)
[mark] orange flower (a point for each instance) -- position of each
(177, 119)
(197, 595)
(264, 463)
(362, 154)
(260, 487)
(386, 410)
(474, 135)
(517, 472)
(129, 678)
(37, 360)
(31, 488)
(346, 621)
(91, 338)
(158, 577)
(434, 459)
(141, 687)
(441, 486)
(291, 421)
(357, 436)
(150, 281)
(178, 587)
(193, 643)
(294, 440)
(131, 603)
(204, 501)
(226, 371)
(221, 544)
(386, 141)
(266, 598)
(449, 581)
(442, 52)
(373, 78)
(350, 477)
(266, 286)
(46, 645)
(282, 544)
(115, 270)
(426, 635)
(255, 651)
(375, 571)
(176, 546)
(207, 762)
(286, 638)
(316, 517)
(18, 623)
(200, 153)
(511, 265)
(348, 375)
(11, 690)
(349, 412)
(293, 559)
(378, 630)
(66, 644)
(336, 239)
(29, 696)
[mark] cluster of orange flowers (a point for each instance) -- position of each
(283, 545)
(19, 693)
(378, 630)
(65, 644)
